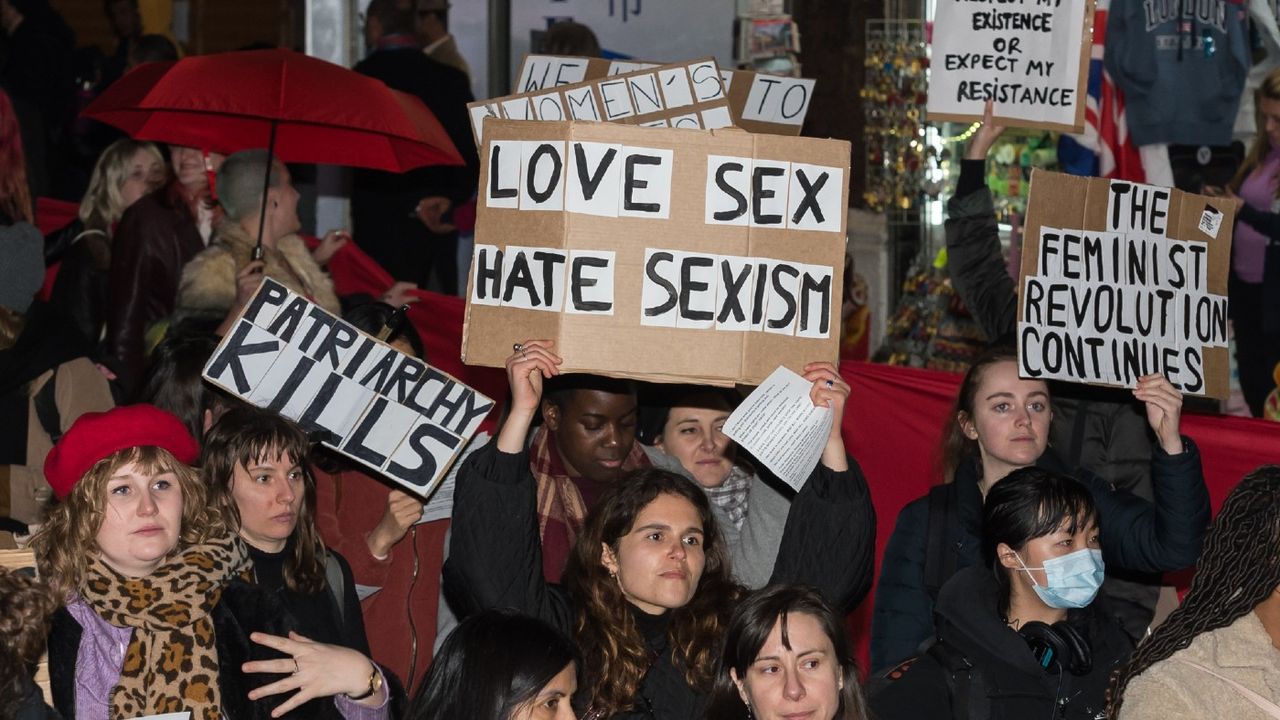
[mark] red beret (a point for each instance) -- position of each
(94, 436)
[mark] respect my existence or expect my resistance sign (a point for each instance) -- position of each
(361, 397)
(1121, 280)
(1030, 57)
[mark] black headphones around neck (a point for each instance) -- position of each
(1058, 647)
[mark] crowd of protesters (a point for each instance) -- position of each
(610, 552)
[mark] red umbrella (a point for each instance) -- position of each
(304, 109)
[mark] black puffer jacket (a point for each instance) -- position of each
(1006, 680)
(1137, 535)
(495, 558)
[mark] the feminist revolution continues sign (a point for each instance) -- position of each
(656, 253)
(1121, 280)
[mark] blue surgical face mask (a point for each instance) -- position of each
(1072, 581)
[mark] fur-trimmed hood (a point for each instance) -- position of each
(208, 285)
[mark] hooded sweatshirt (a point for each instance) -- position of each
(1182, 66)
(1012, 681)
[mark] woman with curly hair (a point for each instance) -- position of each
(126, 170)
(26, 609)
(255, 464)
(1216, 655)
(148, 571)
(647, 590)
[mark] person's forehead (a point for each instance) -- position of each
(601, 402)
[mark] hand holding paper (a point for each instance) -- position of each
(1164, 410)
(830, 391)
(786, 423)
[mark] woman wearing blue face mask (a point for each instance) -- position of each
(1022, 636)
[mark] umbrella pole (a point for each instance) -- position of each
(266, 186)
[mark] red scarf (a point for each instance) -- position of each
(562, 511)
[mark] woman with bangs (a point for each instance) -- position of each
(1021, 635)
(255, 464)
(148, 572)
(648, 589)
(1001, 424)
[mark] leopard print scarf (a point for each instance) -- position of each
(171, 664)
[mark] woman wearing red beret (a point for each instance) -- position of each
(156, 611)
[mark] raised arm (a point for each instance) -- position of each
(829, 540)
(974, 259)
(495, 553)
(1166, 534)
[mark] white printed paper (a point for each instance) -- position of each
(780, 426)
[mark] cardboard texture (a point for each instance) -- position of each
(638, 327)
(983, 49)
(685, 95)
(758, 102)
(358, 396)
(1120, 279)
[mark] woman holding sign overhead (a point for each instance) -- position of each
(1000, 424)
(255, 465)
(648, 592)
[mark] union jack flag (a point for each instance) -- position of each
(1104, 149)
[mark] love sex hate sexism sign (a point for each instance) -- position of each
(1030, 57)
(1121, 280)
(363, 398)
(658, 254)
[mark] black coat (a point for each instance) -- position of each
(1016, 687)
(1136, 535)
(244, 608)
(495, 557)
(382, 203)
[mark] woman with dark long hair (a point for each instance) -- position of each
(1000, 424)
(255, 464)
(647, 590)
(1216, 655)
(786, 654)
(1021, 635)
(499, 665)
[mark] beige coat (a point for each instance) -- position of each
(1171, 690)
(208, 285)
(81, 388)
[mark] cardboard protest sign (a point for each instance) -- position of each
(1121, 280)
(685, 95)
(658, 254)
(758, 102)
(1031, 57)
(363, 398)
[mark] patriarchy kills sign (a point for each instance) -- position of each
(361, 397)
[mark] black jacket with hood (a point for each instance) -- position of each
(1006, 680)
